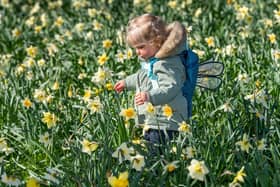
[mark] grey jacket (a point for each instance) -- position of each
(166, 87)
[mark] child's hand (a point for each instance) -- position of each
(119, 86)
(141, 98)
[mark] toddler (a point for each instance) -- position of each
(161, 77)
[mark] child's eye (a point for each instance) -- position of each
(140, 46)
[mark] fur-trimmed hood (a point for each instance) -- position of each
(175, 41)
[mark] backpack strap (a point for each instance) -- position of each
(152, 61)
(190, 61)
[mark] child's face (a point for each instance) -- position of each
(145, 50)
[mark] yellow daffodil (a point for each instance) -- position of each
(20, 69)
(101, 75)
(170, 167)
(32, 182)
(272, 38)
(108, 16)
(127, 124)
(38, 29)
(52, 175)
(268, 22)
(258, 83)
(240, 174)
(27, 103)
(148, 8)
(226, 107)
(172, 4)
(70, 92)
(79, 4)
(259, 96)
(259, 115)
(29, 75)
(229, 50)
(82, 76)
(277, 15)
(41, 62)
(79, 27)
(150, 109)
(121, 181)
(44, 19)
(59, 21)
(68, 34)
(45, 139)
(198, 170)
(35, 9)
(242, 13)
(210, 41)
(89, 35)
(16, 32)
(173, 149)
(40, 95)
(244, 143)
(88, 146)
(198, 12)
(128, 54)
(96, 91)
(200, 53)
(238, 178)
(10, 180)
(128, 113)
(167, 111)
(55, 86)
(92, 12)
(3, 144)
(109, 86)
(87, 95)
(189, 29)
(190, 152)
(4, 147)
(96, 25)
(5, 3)
(120, 57)
(243, 78)
(123, 152)
(138, 162)
(145, 128)
(50, 119)
(52, 49)
(49, 99)
(2, 74)
(276, 54)
(184, 127)
(136, 141)
(102, 59)
(32, 51)
(107, 43)
(95, 105)
(29, 62)
(30, 21)
(261, 144)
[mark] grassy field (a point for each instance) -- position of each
(61, 123)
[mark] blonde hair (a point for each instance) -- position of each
(146, 28)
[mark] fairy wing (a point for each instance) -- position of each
(210, 68)
(208, 73)
(210, 83)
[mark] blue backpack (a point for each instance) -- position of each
(190, 62)
(205, 75)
